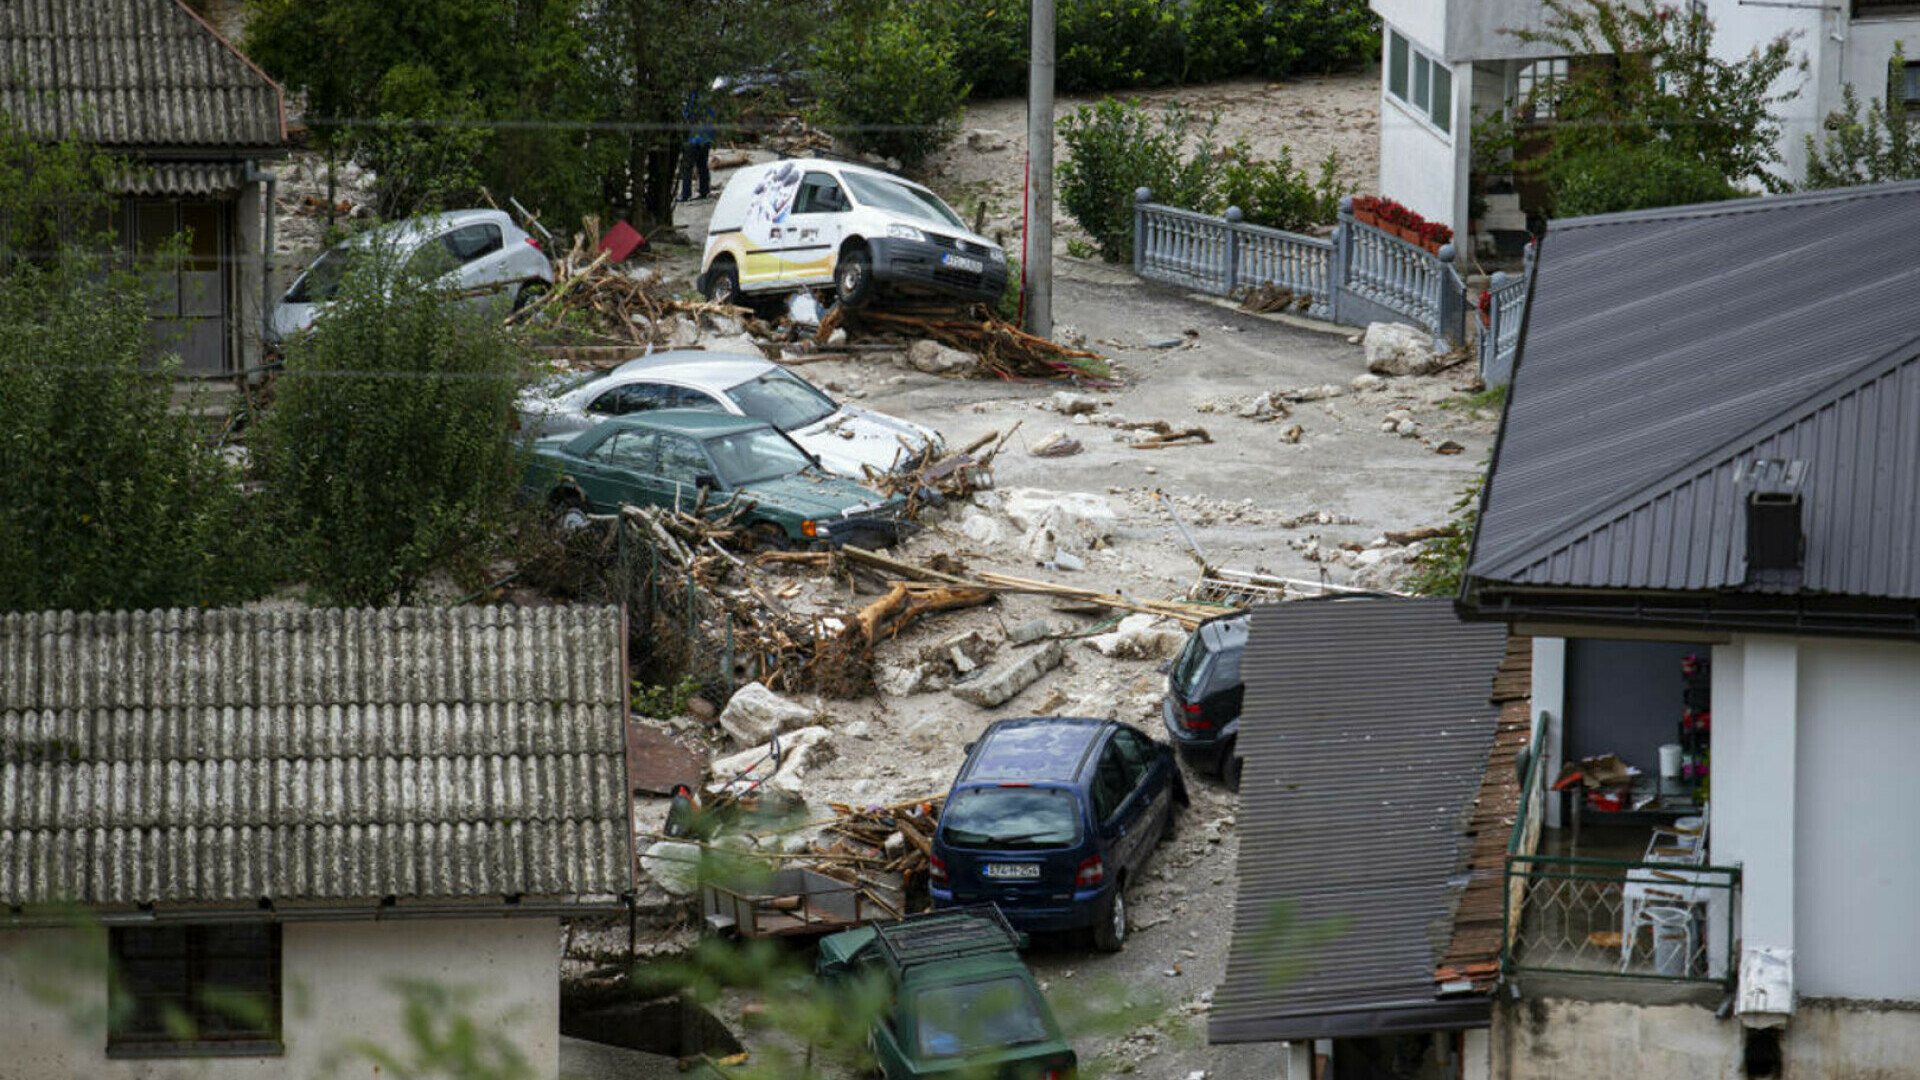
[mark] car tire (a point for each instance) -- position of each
(853, 277)
(1180, 797)
(1230, 774)
(568, 511)
(530, 293)
(766, 536)
(723, 282)
(1110, 920)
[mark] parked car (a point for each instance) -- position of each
(480, 255)
(667, 459)
(1050, 818)
(959, 1000)
(797, 224)
(1204, 695)
(846, 438)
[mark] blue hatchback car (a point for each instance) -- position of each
(1050, 818)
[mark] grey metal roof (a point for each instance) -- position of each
(231, 756)
(180, 178)
(131, 73)
(1665, 348)
(1367, 732)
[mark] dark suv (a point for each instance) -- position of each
(1050, 817)
(1204, 692)
(959, 1000)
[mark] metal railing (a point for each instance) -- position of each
(1345, 278)
(1500, 334)
(1612, 918)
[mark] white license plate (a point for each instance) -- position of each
(1013, 871)
(961, 262)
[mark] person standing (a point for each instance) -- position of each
(699, 119)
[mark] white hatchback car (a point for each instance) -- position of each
(485, 255)
(846, 438)
(798, 224)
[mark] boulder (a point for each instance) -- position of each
(1367, 384)
(1057, 444)
(680, 332)
(1139, 637)
(800, 751)
(1054, 521)
(915, 678)
(982, 529)
(723, 325)
(1068, 403)
(756, 714)
(1399, 349)
(986, 140)
(937, 359)
(1031, 630)
(738, 345)
(674, 866)
(999, 683)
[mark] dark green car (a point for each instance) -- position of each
(666, 458)
(963, 1004)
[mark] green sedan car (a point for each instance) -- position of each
(665, 458)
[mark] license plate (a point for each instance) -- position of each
(1013, 871)
(961, 262)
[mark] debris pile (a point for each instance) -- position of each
(999, 348)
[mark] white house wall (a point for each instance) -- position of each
(1857, 823)
(337, 988)
(1463, 31)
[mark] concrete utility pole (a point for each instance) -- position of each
(1039, 239)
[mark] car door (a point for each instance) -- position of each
(618, 470)
(814, 230)
(1114, 784)
(479, 250)
(1150, 801)
(683, 463)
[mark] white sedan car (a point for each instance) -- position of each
(846, 438)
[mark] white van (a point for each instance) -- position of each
(808, 222)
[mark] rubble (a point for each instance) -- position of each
(673, 865)
(759, 768)
(1057, 444)
(996, 347)
(756, 714)
(1139, 637)
(937, 359)
(998, 684)
(1399, 349)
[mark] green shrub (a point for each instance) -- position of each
(889, 86)
(1114, 148)
(386, 451)
(1007, 306)
(1275, 194)
(1224, 38)
(1112, 44)
(1872, 149)
(1318, 36)
(990, 45)
(1634, 177)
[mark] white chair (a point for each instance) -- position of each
(1661, 899)
(1683, 841)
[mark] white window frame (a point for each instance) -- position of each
(1531, 77)
(1420, 77)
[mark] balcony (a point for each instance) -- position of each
(1645, 911)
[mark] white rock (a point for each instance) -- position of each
(982, 529)
(1000, 683)
(1070, 336)
(1139, 637)
(1399, 349)
(723, 325)
(986, 140)
(740, 345)
(681, 332)
(673, 866)
(1068, 403)
(937, 359)
(756, 714)
(1367, 384)
(800, 751)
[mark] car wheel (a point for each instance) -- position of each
(1110, 922)
(723, 282)
(530, 293)
(853, 278)
(766, 536)
(1180, 797)
(1231, 774)
(569, 512)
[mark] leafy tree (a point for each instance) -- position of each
(889, 85)
(1109, 44)
(1869, 150)
(108, 499)
(386, 450)
(1654, 118)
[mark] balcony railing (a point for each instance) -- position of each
(1612, 918)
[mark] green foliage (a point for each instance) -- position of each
(1319, 36)
(1109, 44)
(386, 449)
(1869, 150)
(1275, 194)
(51, 191)
(424, 147)
(889, 86)
(989, 45)
(664, 702)
(1659, 119)
(1224, 38)
(1008, 305)
(1114, 148)
(1443, 560)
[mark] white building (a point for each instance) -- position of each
(244, 844)
(1707, 489)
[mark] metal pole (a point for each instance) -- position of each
(1039, 210)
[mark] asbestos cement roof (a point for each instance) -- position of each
(1367, 732)
(228, 757)
(126, 74)
(1668, 352)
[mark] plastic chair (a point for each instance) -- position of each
(1683, 841)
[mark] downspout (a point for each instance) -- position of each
(256, 175)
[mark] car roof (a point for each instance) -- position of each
(1225, 631)
(718, 370)
(413, 229)
(1035, 748)
(699, 423)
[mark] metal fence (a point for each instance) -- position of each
(1614, 918)
(1505, 307)
(1344, 278)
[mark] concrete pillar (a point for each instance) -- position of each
(1550, 697)
(1296, 1060)
(1754, 783)
(1476, 1054)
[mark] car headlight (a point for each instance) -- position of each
(813, 529)
(906, 232)
(998, 255)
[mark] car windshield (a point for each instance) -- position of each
(902, 198)
(569, 381)
(977, 1016)
(747, 457)
(782, 399)
(321, 282)
(1011, 817)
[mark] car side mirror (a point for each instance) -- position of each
(1165, 666)
(969, 747)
